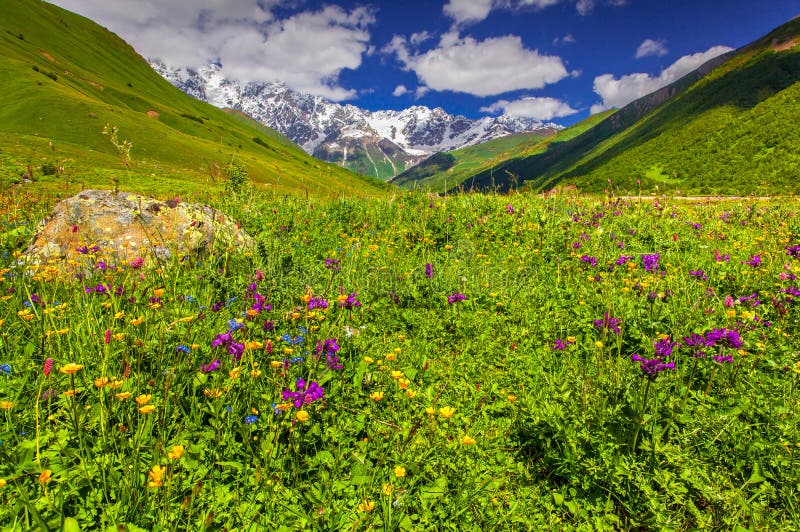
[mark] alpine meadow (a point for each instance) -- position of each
(590, 327)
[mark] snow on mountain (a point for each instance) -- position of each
(380, 143)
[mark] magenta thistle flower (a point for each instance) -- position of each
(650, 262)
(317, 302)
(652, 367)
(428, 270)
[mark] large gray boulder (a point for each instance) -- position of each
(127, 226)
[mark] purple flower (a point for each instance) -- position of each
(650, 262)
(510, 209)
(330, 346)
(560, 344)
(721, 359)
(428, 270)
(303, 395)
(456, 297)
(652, 367)
(222, 340)
(663, 347)
(724, 337)
(332, 264)
(236, 350)
(351, 302)
(208, 368)
(317, 302)
(721, 258)
(793, 251)
(696, 342)
(754, 261)
(698, 273)
(623, 259)
(589, 259)
(608, 322)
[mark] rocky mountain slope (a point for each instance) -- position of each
(382, 143)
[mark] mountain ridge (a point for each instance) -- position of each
(379, 143)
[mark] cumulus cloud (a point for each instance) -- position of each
(482, 68)
(307, 50)
(400, 90)
(467, 11)
(464, 12)
(618, 92)
(651, 47)
(538, 108)
(566, 39)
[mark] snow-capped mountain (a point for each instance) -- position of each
(380, 143)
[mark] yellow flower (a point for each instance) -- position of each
(186, 319)
(212, 393)
(302, 415)
(176, 452)
(366, 506)
(387, 489)
(123, 395)
(115, 383)
(430, 411)
(137, 321)
(447, 412)
(45, 476)
(143, 399)
(147, 409)
(368, 360)
(235, 372)
(376, 396)
(100, 382)
(6, 405)
(598, 344)
(71, 368)
(255, 373)
(399, 471)
(158, 292)
(119, 315)
(119, 336)
(254, 345)
(275, 364)
(466, 439)
(511, 398)
(288, 351)
(156, 475)
(411, 393)
(70, 393)
(396, 375)
(403, 383)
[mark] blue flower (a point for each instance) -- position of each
(5, 369)
(183, 349)
(234, 324)
(249, 420)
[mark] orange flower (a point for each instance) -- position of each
(143, 399)
(466, 439)
(176, 452)
(147, 409)
(45, 476)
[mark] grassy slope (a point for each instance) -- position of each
(732, 131)
(62, 78)
(450, 169)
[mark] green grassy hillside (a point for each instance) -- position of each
(455, 168)
(728, 128)
(63, 78)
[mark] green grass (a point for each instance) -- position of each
(516, 408)
(63, 78)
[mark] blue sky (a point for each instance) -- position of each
(554, 60)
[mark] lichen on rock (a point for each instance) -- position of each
(125, 226)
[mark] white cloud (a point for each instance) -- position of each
(482, 68)
(400, 90)
(531, 107)
(307, 51)
(421, 91)
(618, 92)
(464, 12)
(566, 39)
(467, 11)
(651, 47)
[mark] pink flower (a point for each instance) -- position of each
(136, 263)
(107, 337)
(728, 301)
(48, 367)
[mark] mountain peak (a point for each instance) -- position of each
(378, 143)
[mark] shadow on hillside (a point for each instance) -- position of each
(745, 87)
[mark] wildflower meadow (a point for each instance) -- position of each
(416, 362)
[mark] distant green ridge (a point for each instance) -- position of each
(63, 77)
(730, 127)
(448, 169)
